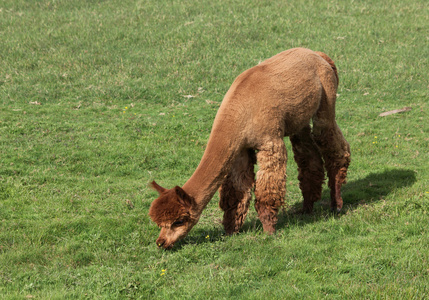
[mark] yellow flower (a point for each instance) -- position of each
(207, 236)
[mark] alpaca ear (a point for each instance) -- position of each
(184, 199)
(157, 187)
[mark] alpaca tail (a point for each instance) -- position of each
(331, 63)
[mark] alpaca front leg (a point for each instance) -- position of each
(235, 192)
(311, 173)
(270, 188)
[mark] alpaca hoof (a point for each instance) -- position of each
(304, 211)
(307, 208)
(230, 232)
(269, 229)
(336, 210)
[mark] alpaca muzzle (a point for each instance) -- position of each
(162, 243)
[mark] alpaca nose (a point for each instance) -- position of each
(160, 242)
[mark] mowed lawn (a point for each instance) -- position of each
(99, 98)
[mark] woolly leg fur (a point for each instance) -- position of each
(336, 153)
(235, 192)
(311, 173)
(270, 187)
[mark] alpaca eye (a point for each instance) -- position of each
(179, 223)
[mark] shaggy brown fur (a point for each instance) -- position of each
(274, 99)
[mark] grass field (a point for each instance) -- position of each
(98, 98)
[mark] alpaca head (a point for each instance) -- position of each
(173, 212)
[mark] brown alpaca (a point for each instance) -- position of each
(277, 98)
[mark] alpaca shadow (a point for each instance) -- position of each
(372, 188)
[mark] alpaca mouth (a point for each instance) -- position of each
(163, 244)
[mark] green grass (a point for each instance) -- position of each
(94, 105)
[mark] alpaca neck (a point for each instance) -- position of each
(221, 151)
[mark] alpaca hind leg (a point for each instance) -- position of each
(235, 192)
(336, 154)
(270, 188)
(330, 140)
(311, 173)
